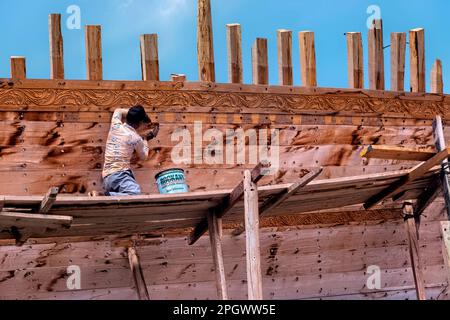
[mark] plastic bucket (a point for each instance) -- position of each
(171, 181)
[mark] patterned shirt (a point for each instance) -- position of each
(123, 141)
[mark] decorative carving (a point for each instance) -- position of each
(340, 101)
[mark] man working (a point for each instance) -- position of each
(123, 141)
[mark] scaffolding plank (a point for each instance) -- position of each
(214, 227)
(397, 153)
(138, 277)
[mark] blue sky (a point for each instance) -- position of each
(25, 32)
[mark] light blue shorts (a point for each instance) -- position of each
(121, 183)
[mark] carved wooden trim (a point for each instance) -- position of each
(107, 97)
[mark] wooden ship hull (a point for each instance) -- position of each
(315, 242)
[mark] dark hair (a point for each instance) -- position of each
(136, 115)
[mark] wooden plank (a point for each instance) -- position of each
(397, 153)
(56, 47)
(276, 200)
(48, 200)
(355, 60)
(94, 60)
(307, 58)
(284, 45)
(18, 68)
(439, 139)
(149, 57)
(414, 174)
(398, 48)
(437, 83)
(29, 220)
(228, 203)
(376, 55)
(413, 241)
(253, 251)
(214, 227)
(2, 203)
(138, 276)
(205, 47)
(417, 59)
(234, 46)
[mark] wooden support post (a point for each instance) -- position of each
(439, 140)
(205, 47)
(307, 58)
(437, 84)
(355, 60)
(254, 276)
(149, 57)
(138, 276)
(214, 227)
(413, 241)
(445, 232)
(94, 61)
(284, 40)
(376, 56)
(234, 45)
(56, 47)
(398, 48)
(18, 68)
(260, 64)
(417, 59)
(48, 200)
(178, 77)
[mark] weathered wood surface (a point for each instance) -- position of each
(56, 47)
(307, 264)
(234, 46)
(355, 60)
(94, 58)
(260, 63)
(376, 55)
(417, 60)
(205, 47)
(149, 57)
(398, 49)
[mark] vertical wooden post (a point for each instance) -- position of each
(413, 241)
(445, 231)
(254, 276)
(18, 68)
(376, 56)
(417, 59)
(149, 57)
(138, 276)
(56, 47)
(398, 47)
(307, 58)
(260, 64)
(439, 140)
(215, 226)
(234, 45)
(284, 40)
(437, 84)
(205, 47)
(355, 60)
(94, 61)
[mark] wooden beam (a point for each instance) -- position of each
(307, 58)
(2, 203)
(413, 241)
(437, 83)
(228, 203)
(416, 173)
(149, 57)
(214, 227)
(138, 276)
(234, 45)
(398, 49)
(355, 60)
(48, 200)
(56, 47)
(253, 251)
(18, 68)
(439, 140)
(397, 153)
(417, 59)
(276, 200)
(284, 41)
(205, 47)
(376, 56)
(260, 64)
(30, 220)
(94, 62)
